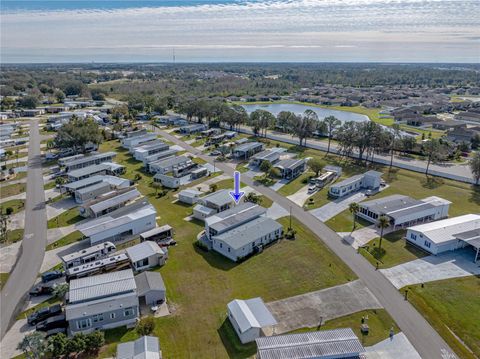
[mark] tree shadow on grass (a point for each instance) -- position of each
(431, 182)
(475, 198)
(235, 349)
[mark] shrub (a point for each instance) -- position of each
(145, 326)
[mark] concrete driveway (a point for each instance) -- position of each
(300, 196)
(306, 310)
(444, 266)
(276, 211)
(8, 345)
(333, 208)
(397, 347)
(362, 236)
(57, 208)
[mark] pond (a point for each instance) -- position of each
(276, 108)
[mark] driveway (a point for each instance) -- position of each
(56, 208)
(331, 209)
(362, 236)
(432, 268)
(300, 196)
(397, 347)
(8, 346)
(54, 234)
(276, 211)
(53, 257)
(306, 310)
(16, 221)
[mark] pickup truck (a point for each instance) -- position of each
(44, 313)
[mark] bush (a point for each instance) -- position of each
(213, 187)
(145, 326)
(8, 211)
(94, 341)
(76, 344)
(57, 345)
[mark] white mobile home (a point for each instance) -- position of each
(369, 180)
(291, 168)
(146, 255)
(247, 150)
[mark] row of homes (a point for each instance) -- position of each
(289, 167)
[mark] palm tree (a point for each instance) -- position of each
(395, 136)
(331, 123)
(353, 208)
(383, 222)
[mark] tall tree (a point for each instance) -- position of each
(331, 123)
(315, 165)
(354, 208)
(395, 135)
(383, 223)
(77, 134)
(284, 119)
(435, 152)
(33, 345)
(475, 167)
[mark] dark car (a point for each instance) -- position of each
(42, 290)
(55, 331)
(48, 276)
(52, 323)
(44, 313)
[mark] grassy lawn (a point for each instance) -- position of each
(3, 279)
(14, 235)
(16, 204)
(343, 222)
(12, 190)
(296, 184)
(68, 239)
(200, 284)
(379, 322)
(49, 185)
(46, 303)
(452, 305)
(70, 216)
(395, 250)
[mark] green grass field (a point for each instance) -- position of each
(395, 250)
(14, 235)
(16, 205)
(68, 239)
(379, 322)
(12, 190)
(200, 284)
(452, 305)
(3, 279)
(67, 218)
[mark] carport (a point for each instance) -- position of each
(471, 238)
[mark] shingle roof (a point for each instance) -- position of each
(326, 343)
(148, 281)
(146, 347)
(251, 313)
(99, 286)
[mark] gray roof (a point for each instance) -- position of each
(100, 286)
(91, 157)
(218, 198)
(251, 313)
(148, 281)
(348, 181)
(155, 231)
(146, 347)
(158, 156)
(321, 344)
(235, 216)
(84, 182)
(396, 205)
(248, 232)
(143, 250)
(172, 161)
(373, 173)
(247, 146)
(114, 201)
(190, 193)
(94, 187)
(85, 171)
(290, 163)
(267, 155)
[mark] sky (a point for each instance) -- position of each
(240, 31)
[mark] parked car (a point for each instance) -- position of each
(48, 276)
(44, 313)
(54, 331)
(52, 323)
(215, 153)
(42, 290)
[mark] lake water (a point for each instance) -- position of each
(276, 108)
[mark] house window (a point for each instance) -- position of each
(128, 312)
(221, 245)
(112, 315)
(427, 244)
(229, 249)
(84, 323)
(97, 318)
(413, 236)
(142, 263)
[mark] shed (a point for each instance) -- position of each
(146, 255)
(189, 196)
(146, 347)
(150, 288)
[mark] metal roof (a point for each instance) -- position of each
(158, 156)
(172, 161)
(86, 252)
(101, 286)
(114, 201)
(155, 231)
(84, 182)
(218, 198)
(447, 229)
(290, 163)
(190, 193)
(251, 313)
(90, 170)
(205, 210)
(94, 157)
(103, 305)
(146, 347)
(267, 155)
(348, 181)
(247, 146)
(93, 187)
(148, 281)
(143, 250)
(320, 344)
(235, 216)
(248, 232)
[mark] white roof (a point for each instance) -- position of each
(190, 193)
(146, 347)
(445, 230)
(251, 313)
(100, 286)
(143, 250)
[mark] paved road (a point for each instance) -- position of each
(34, 240)
(420, 333)
(452, 171)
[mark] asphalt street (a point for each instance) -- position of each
(35, 237)
(423, 337)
